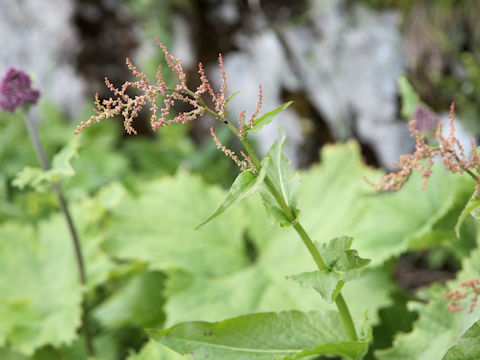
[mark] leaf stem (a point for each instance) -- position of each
(42, 158)
(339, 300)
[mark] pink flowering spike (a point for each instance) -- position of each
(16, 91)
(259, 105)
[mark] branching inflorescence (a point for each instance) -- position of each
(129, 107)
(448, 148)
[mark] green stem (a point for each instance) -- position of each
(42, 158)
(339, 300)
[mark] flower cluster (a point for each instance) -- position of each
(16, 91)
(129, 107)
(448, 148)
(473, 288)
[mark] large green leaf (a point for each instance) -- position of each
(335, 200)
(267, 118)
(40, 293)
(467, 347)
(343, 264)
(437, 329)
(284, 335)
(157, 227)
(245, 184)
(286, 185)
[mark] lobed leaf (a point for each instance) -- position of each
(343, 265)
(437, 329)
(267, 118)
(275, 336)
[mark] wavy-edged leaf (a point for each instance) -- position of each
(267, 118)
(40, 294)
(245, 184)
(61, 167)
(265, 336)
(343, 264)
(286, 183)
(467, 347)
(437, 329)
(157, 227)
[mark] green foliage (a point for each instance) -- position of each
(342, 263)
(39, 179)
(284, 335)
(437, 329)
(467, 347)
(288, 185)
(245, 184)
(267, 118)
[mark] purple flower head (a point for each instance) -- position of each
(15, 90)
(425, 119)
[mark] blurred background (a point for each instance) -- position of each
(339, 60)
(354, 69)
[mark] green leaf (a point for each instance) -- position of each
(61, 167)
(343, 265)
(470, 208)
(267, 118)
(437, 329)
(245, 184)
(284, 335)
(153, 350)
(467, 347)
(287, 185)
(232, 96)
(161, 221)
(410, 98)
(40, 294)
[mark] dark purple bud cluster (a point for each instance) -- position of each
(16, 91)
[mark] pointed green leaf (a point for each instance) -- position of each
(287, 185)
(467, 347)
(267, 118)
(470, 208)
(162, 218)
(232, 96)
(245, 184)
(343, 265)
(265, 336)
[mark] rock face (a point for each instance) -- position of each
(345, 59)
(37, 36)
